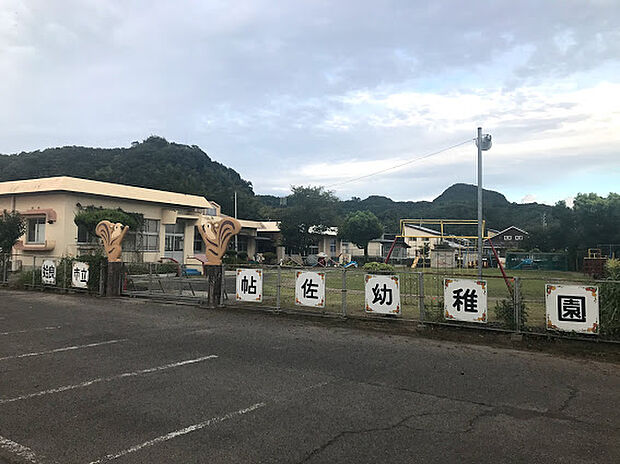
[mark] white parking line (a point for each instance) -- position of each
(66, 348)
(18, 450)
(30, 330)
(186, 430)
(88, 383)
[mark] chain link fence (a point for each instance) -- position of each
(515, 304)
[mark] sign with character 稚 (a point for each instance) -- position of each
(465, 300)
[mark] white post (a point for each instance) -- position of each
(479, 202)
(236, 241)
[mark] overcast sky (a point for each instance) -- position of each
(319, 92)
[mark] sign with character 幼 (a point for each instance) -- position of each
(382, 294)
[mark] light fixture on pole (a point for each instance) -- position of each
(483, 142)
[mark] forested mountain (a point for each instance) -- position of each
(154, 163)
(157, 163)
(457, 202)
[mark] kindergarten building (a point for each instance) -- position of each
(168, 231)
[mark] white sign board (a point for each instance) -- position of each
(79, 275)
(382, 294)
(310, 289)
(250, 285)
(465, 300)
(572, 308)
(48, 272)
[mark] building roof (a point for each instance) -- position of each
(424, 229)
(507, 229)
(260, 226)
(108, 189)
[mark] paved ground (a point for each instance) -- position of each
(87, 381)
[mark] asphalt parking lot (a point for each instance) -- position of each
(87, 380)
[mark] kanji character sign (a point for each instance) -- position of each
(79, 274)
(310, 289)
(250, 285)
(465, 300)
(48, 272)
(572, 308)
(382, 294)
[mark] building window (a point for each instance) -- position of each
(147, 239)
(84, 235)
(518, 237)
(332, 246)
(507, 237)
(199, 245)
(36, 230)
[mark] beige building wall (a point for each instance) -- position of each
(61, 234)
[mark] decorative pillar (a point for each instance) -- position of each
(216, 232)
(112, 236)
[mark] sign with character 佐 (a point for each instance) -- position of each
(79, 275)
(249, 285)
(48, 272)
(310, 289)
(382, 294)
(572, 308)
(465, 300)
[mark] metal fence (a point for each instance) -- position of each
(33, 272)
(518, 309)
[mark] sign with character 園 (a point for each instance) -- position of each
(48, 272)
(382, 294)
(465, 300)
(572, 308)
(310, 289)
(79, 274)
(249, 285)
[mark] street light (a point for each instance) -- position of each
(483, 142)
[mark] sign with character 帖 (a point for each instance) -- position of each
(572, 308)
(382, 294)
(310, 289)
(465, 300)
(250, 285)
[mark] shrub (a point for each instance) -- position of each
(610, 299)
(270, 257)
(378, 267)
(504, 312)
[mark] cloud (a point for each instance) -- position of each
(316, 91)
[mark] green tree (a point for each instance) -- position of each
(360, 228)
(309, 211)
(12, 226)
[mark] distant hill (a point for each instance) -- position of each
(157, 163)
(154, 163)
(460, 201)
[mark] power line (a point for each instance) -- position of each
(428, 155)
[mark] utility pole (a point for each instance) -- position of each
(236, 240)
(479, 144)
(484, 143)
